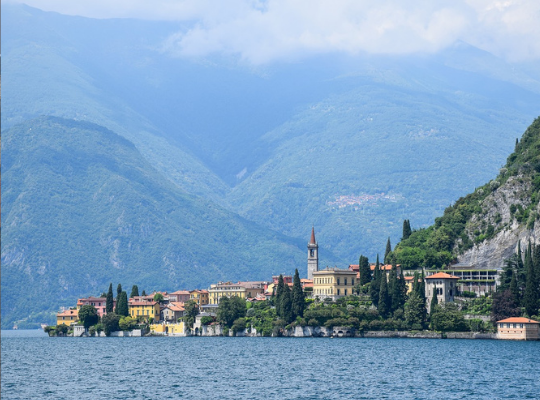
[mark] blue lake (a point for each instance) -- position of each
(37, 367)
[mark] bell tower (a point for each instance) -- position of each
(313, 255)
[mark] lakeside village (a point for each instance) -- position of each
(364, 300)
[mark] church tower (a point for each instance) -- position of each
(313, 255)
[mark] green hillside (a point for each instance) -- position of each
(509, 202)
(81, 208)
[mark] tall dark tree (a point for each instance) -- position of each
(230, 309)
(122, 304)
(118, 291)
(514, 289)
(421, 288)
(385, 300)
(279, 294)
(286, 304)
(298, 302)
(376, 284)
(387, 251)
(406, 229)
(134, 291)
(434, 300)
(530, 297)
(191, 309)
(504, 306)
(109, 302)
(415, 311)
(365, 270)
(143, 293)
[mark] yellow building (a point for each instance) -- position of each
(67, 317)
(333, 283)
(244, 290)
(146, 309)
(200, 297)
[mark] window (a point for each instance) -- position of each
(345, 285)
(338, 292)
(521, 326)
(345, 291)
(352, 281)
(338, 281)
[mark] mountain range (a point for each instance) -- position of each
(350, 144)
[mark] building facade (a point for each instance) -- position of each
(443, 286)
(100, 304)
(67, 317)
(479, 281)
(313, 255)
(144, 310)
(201, 297)
(333, 283)
(518, 329)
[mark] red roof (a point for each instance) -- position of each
(441, 275)
(142, 303)
(519, 320)
(181, 292)
(312, 240)
(68, 313)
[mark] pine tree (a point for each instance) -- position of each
(376, 284)
(279, 294)
(514, 289)
(387, 251)
(384, 299)
(118, 291)
(143, 293)
(422, 288)
(134, 291)
(298, 302)
(365, 270)
(406, 229)
(109, 303)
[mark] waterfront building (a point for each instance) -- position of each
(244, 290)
(333, 283)
(313, 255)
(145, 309)
(518, 329)
(443, 286)
(68, 317)
(172, 312)
(180, 296)
(100, 303)
(201, 297)
(471, 279)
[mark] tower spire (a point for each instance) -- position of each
(312, 240)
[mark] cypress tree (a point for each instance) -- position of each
(376, 284)
(530, 299)
(514, 288)
(144, 293)
(434, 300)
(377, 264)
(122, 304)
(109, 303)
(279, 294)
(118, 291)
(406, 229)
(384, 299)
(286, 304)
(134, 291)
(387, 251)
(422, 287)
(298, 302)
(365, 270)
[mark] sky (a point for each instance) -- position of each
(260, 32)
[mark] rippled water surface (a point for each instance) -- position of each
(37, 367)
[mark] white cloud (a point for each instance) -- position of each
(262, 31)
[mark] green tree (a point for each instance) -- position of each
(62, 329)
(384, 305)
(514, 288)
(415, 311)
(143, 293)
(134, 291)
(118, 291)
(158, 297)
(110, 323)
(279, 294)
(298, 298)
(286, 304)
(376, 284)
(434, 300)
(406, 229)
(230, 309)
(504, 306)
(530, 297)
(126, 323)
(190, 312)
(365, 270)
(387, 251)
(88, 316)
(447, 317)
(109, 302)
(122, 308)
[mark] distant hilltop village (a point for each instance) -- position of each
(365, 297)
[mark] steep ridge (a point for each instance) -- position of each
(81, 208)
(484, 228)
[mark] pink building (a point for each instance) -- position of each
(180, 296)
(100, 303)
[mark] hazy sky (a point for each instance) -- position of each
(263, 31)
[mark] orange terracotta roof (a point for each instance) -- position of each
(383, 267)
(181, 292)
(68, 313)
(142, 303)
(306, 280)
(519, 320)
(175, 307)
(441, 275)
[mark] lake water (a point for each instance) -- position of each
(35, 366)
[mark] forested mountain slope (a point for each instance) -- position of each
(82, 208)
(351, 144)
(484, 227)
